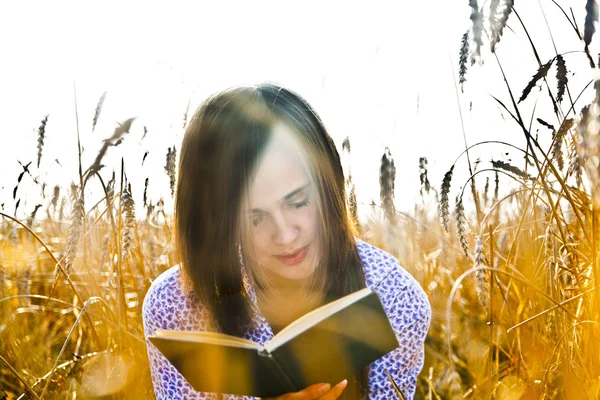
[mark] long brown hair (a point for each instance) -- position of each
(220, 151)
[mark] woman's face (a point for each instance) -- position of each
(282, 212)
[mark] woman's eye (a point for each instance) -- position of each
(256, 221)
(300, 204)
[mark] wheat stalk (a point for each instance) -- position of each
(482, 286)
(354, 208)
(61, 210)
(511, 168)
(462, 60)
(492, 17)
(55, 196)
(477, 19)
(452, 383)
(540, 74)
(561, 77)
(146, 192)
(98, 110)
(425, 185)
(461, 222)
(589, 148)
(387, 178)
(500, 24)
(32, 216)
(2, 276)
(444, 204)
(127, 231)
(546, 124)
(558, 140)
(114, 140)
(17, 206)
(40, 139)
(170, 168)
(346, 145)
(486, 189)
(591, 17)
(149, 210)
(75, 229)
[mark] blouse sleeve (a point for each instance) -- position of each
(169, 384)
(410, 316)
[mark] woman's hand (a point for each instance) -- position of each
(318, 391)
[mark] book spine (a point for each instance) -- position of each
(278, 371)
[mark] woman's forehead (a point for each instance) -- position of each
(282, 169)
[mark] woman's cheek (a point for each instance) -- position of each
(260, 247)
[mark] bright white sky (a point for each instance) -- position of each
(378, 72)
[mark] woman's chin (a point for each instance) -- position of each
(295, 273)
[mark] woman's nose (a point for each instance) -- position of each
(286, 232)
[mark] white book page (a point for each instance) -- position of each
(207, 337)
(314, 317)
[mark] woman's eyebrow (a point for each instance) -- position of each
(294, 192)
(285, 198)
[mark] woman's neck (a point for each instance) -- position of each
(283, 305)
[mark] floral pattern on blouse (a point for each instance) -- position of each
(167, 307)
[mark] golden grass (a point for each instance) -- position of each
(517, 317)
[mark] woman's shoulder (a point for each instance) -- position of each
(385, 276)
(167, 306)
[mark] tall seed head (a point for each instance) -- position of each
(387, 178)
(55, 196)
(40, 140)
(591, 17)
(425, 185)
(129, 226)
(75, 229)
(461, 223)
(170, 168)
(444, 204)
(98, 110)
(463, 56)
(499, 23)
(477, 19)
(482, 276)
(561, 78)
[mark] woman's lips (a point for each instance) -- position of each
(294, 258)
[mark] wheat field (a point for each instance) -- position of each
(512, 278)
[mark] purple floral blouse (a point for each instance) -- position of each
(166, 306)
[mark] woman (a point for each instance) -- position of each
(263, 236)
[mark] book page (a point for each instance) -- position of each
(314, 317)
(207, 337)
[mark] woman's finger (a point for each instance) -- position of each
(335, 391)
(313, 392)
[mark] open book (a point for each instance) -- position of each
(326, 345)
